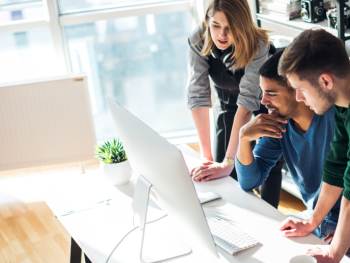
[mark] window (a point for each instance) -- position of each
(138, 61)
(27, 55)
(69, 6)
(20, 10)
(134, 51)
(14, 2)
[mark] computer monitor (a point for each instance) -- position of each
(163, 166)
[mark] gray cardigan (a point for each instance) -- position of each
(198, 87)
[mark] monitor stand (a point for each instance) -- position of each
(140, 207)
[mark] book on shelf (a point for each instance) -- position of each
(285, 16)
(282, 1)
(281, 5)
(283, 9)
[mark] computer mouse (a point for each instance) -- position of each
(208, 197)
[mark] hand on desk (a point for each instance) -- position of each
(322, 256)
(206, 161)
(325, 256)
(211, 171)
(295, 227)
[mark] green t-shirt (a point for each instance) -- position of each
(336, 169)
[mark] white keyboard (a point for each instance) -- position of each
(229, 237)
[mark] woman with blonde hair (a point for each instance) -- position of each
(230, 49)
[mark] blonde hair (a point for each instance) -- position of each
(246, 34)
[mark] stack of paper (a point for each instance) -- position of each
(283, 9)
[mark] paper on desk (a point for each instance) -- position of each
(83, 192)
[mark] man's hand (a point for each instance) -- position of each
(329, 238)
(263, 125)
(295, 227)
(212, 171)
(322, 256)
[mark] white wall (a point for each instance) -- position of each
(279, 30)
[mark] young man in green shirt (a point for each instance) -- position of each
(317, 66)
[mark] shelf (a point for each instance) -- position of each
(299, 24)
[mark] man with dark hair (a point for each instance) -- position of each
(306, 135)
(318, 68)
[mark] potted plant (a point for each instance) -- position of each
(114, 163)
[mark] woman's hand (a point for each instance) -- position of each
(212, 171)
(207, 160)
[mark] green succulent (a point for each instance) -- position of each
(111, 151)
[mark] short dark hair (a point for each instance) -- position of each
(270, 71)
(312, 53)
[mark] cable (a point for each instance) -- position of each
(110, 255)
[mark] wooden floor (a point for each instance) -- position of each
(29, 233)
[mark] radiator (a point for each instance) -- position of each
(45, 122)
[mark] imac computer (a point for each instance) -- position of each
(161, 166)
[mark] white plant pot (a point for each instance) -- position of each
(116, 173)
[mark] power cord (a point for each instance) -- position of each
(130, 232)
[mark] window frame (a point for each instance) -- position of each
(114, 13)
(56, 22)
(23, 25)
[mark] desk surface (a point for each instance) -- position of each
(98, 230)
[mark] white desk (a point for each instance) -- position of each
(98, 230)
